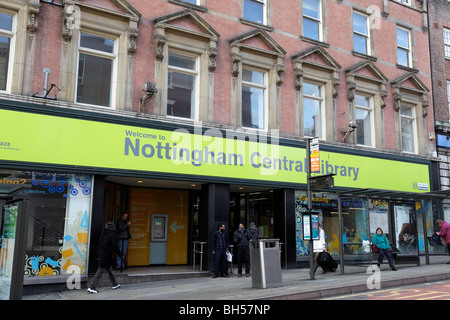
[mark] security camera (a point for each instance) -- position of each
(351, 128)
(149, 88)
(352, 124)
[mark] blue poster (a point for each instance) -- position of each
(315, 226)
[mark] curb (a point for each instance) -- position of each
(357, 288)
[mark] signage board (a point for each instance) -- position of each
(321, 182)
(314, 154)
(310, 226)
(51, 140)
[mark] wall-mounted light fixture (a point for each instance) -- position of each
(351, 127)
(149, 90)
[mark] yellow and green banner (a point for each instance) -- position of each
(29, 137)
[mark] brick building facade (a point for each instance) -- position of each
(222, 32)
(439, 17)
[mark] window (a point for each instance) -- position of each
(198, 5)
(447, 42)
(58, 223)
(95, 70)
(411, 107)
(185, 64)
(312, 110)
(253, 99)
(256, 81)
(364, 120)
(408, 128)
(104, 47)
(403, 47)
(316, 86)
(355, 222)
(6, 24)
(312, 17)
(255, 10)
(182, 86)
(361, 40)
(448, 94)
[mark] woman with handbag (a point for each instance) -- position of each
(380, 240)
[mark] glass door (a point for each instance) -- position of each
(405, 229)
(12, 251)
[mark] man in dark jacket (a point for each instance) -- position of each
(219, 250)
(123, 235)
(241, 238)
(106, 246)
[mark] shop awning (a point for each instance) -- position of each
(396, 195)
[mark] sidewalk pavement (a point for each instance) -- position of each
(296, 285)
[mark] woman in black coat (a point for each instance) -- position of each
(106, 246)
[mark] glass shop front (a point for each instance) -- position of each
(401, 222)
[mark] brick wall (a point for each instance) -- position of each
(224, 17)
(439, 18)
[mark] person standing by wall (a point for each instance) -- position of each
(123, 235)
(241, 238)
(219, 250)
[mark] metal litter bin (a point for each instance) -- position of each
(265, 263)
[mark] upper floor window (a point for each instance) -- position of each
(312, 110)
(255, 10)
(191, 1)
(312, 19)
(6, 35)
(447, 42)
(254, 91)
(256, 79)
(361, 34)
(448, 94)
(364, 120)
(408, 128)
(104, 49)
(407, 2)
(95, 70)
(404, 47)
(182, 86)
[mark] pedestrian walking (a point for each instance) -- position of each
(106, 246)
(444, 233)
(382, 243)
(319, 246)
(123, 235)
(241, 238)
(219, 250)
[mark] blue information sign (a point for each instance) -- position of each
(311, 227)
(315, 226)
